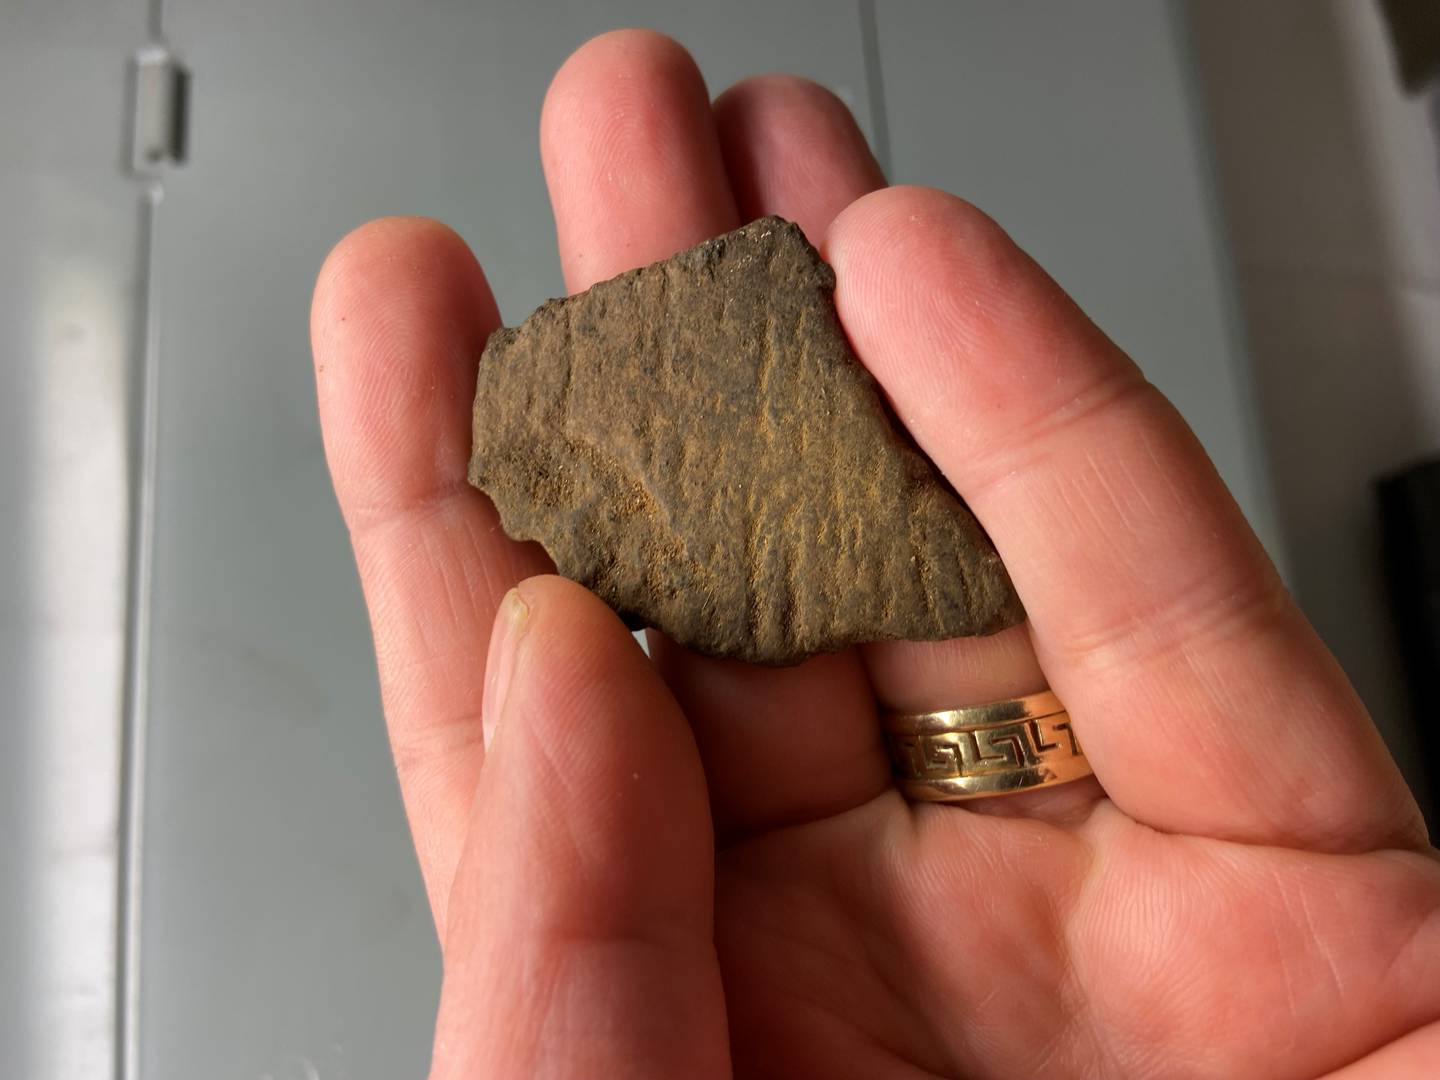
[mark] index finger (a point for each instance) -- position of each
(1206, 702)
(400, 316)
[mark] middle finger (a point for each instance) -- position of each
(635, 173)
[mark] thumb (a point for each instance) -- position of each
(579, 939)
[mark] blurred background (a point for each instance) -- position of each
(204, 868)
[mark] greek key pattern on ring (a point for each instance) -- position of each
(1006, 746)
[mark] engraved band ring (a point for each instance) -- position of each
(995, 749)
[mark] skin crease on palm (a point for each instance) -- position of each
(699, 869)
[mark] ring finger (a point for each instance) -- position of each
(792, 148)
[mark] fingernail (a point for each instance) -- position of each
(510, 625)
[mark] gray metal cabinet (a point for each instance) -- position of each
(280, 928)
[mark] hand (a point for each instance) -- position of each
(699, 868)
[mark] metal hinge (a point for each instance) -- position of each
(159, 109)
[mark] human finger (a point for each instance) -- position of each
(1410, 1057)
(1205, 701)
(631, 158)
(581, 936)
(792, 148)
(400, 315)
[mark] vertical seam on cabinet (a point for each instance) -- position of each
(874, 84)
(144, 430)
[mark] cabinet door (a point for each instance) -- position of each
(285, 932)
(72, 248)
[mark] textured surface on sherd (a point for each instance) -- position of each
(696, 442)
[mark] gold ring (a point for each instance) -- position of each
(994, 749)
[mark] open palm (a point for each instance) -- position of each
(694, 868)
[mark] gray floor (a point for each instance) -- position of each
(278, 927)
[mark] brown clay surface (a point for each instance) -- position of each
(696, 442)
